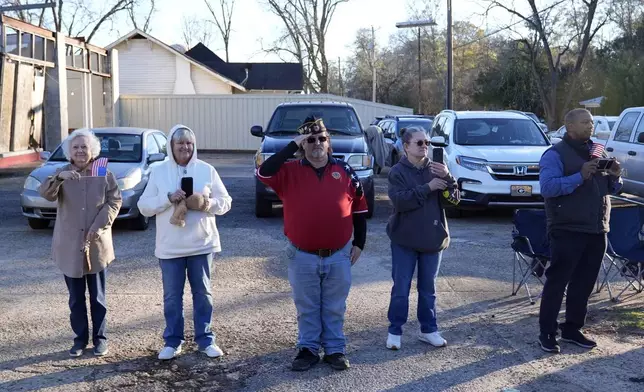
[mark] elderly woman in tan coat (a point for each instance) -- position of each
(88, 202)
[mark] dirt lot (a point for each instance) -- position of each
(491, 335)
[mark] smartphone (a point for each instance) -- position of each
(605, 164)
(437, 155)
(186, 185)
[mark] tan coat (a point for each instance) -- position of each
(88, 204)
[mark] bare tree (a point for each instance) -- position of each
(195, 30)
(82, 17)
(223, 20)
(147, 15)
(542, 40)
(306, 24)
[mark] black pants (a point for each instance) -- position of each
(98, 307)
(575, 261)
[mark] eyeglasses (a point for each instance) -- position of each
(421, 142)
(321, 139)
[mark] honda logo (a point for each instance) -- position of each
(520, 170)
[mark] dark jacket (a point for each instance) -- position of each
(418, 221)
(587, 208)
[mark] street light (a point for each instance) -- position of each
(418, 24)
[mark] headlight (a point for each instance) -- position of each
(130, 181)
(472, 163)
(360, 162)
(260, 158)
(31, 184)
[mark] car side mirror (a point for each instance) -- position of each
(44, 155)
(156, 158)
(640, 137)
(438, 141)
(256, 130)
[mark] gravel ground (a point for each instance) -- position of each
(491, 335)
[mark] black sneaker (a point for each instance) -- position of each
(578, 338)
(100, 348)
(304, 360)
(77, 350)
(548, 343)
(337, 361)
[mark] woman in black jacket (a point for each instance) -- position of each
(418, 233)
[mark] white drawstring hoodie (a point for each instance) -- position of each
(199, 235)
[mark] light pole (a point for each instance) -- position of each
(450, 58)
(418, 24)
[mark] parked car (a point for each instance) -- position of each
(626, 144)
(494, 157)
(391, 126)
(602, 124)
(348, 142)
(131, 153)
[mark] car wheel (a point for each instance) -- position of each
(140, 223)
(38, 224)
(394, 158)
(263, 208)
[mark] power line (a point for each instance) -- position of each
(508, 26)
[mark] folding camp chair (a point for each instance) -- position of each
(625, 253)
(531, 249)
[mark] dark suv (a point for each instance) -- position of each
(347, 140)
(391, 126)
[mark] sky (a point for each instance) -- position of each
(253, 23)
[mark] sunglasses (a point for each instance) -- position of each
(321, 139)
(420, 143)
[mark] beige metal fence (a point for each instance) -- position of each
(222, 122)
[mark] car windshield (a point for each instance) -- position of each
(498, 132)
(114, 147)
(425, 124)
(341, 119)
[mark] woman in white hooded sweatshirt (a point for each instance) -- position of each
(185, 250)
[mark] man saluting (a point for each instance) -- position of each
(324, 205)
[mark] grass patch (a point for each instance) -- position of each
(631, 318)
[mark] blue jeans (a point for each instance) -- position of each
(320, 290)
(97, 304)
(404, 262)
(173, 273)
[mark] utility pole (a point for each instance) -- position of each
(420, 101)
(340, 76)
(373, 64)
(450, 58)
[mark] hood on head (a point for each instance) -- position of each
(169, 149)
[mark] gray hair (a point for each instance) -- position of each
(407, 133)
(94, 143)
(183, 133)
(573, 115)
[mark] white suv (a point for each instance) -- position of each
(494, 157)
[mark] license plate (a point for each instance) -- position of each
(521, 190)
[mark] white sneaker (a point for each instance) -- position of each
(169, 353)
(393, 342)
(213, 351)
(434, 338)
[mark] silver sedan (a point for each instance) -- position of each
(131, 153)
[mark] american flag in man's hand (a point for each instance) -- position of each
(99, 167)
(597, 151)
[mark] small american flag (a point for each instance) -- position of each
(597, 150)
(99, 167)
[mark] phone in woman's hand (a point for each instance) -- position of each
(187, 185)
